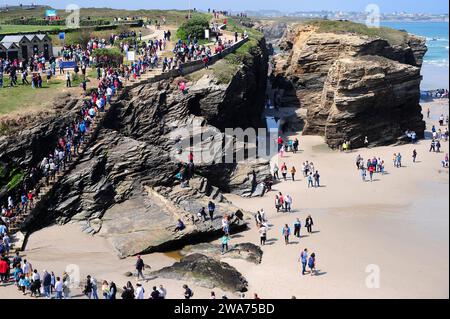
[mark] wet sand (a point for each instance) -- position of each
(399, 223)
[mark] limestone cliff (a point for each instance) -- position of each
(348, 90)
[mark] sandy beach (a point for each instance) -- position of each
(398, 224)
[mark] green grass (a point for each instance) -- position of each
(223, 71)
(10, 29)
(394, 37)
(174, 17)
(23, 96)
(16, 177)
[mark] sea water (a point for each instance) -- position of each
(436, 61)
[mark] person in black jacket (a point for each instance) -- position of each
(127, 293)
(88, 287)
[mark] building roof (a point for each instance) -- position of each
(18, 38)
(10, 45)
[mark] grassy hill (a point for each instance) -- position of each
(394, 37)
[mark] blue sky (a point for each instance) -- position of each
(426, 6)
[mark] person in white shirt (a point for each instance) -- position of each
(162, 292)
(59, 288)
(139, 293)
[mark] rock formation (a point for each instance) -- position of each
(354, 84)
(246, 251)
(125, 187)
(205, 272)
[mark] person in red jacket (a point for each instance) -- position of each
(4, 268)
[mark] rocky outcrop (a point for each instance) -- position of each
(273, 30)
(307, 70)
(246, 251)
(370, 96)
(205, 272)
(125, 186)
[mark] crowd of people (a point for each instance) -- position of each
(374, 165)
(67, 148)
(439, 93)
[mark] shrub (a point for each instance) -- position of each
(195, 27)
(108, 57)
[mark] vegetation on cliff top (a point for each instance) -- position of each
(394, 37)
(194, 27)
(225, 69)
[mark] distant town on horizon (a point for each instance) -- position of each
(325, 14)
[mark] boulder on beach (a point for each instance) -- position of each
(246, 251)
(205, 272)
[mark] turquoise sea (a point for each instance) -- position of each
(436, 62)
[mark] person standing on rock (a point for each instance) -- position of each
(202, 214)
(140, 267)
(225, 240)
(211, 209)
(366, 141)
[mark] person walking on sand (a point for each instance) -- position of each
(304, 260)
(316, 179)
(188, 293)
(363, 172)
(284, 171)
(293, 172)
(277, 203)
(297, 228)
(310, 180)
(309, 224)
(263, 234)
(399, 160)
(288, 203)
(414, 156)
(286, 233)
(371, 171)
(140, 267)
(312, 264)
(275, 172)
